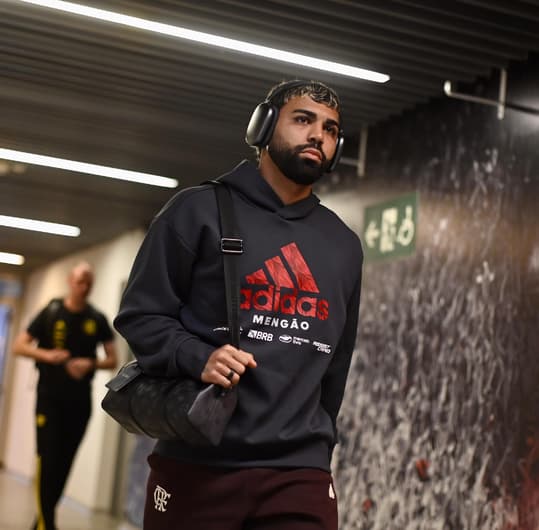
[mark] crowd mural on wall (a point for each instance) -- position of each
(439, 424)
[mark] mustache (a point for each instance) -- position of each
(301, 148)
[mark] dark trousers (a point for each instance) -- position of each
(60, 422)
(187, 497)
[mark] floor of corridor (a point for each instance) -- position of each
(17, 509)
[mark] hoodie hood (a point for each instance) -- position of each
(246, 179)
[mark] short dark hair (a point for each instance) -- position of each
(283, 92)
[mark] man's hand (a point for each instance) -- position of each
(78, 367)
(226, 365)
(55, 356)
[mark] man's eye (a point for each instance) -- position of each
(302, 119)
(332, 130)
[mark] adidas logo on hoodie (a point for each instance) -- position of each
(292, 290)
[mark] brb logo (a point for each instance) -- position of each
(260, 335)
(290, 289)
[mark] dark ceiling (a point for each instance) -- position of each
(82, 89)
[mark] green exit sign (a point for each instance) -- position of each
(390, 228)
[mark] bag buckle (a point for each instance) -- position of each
(231, 245)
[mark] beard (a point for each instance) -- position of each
(304, 171)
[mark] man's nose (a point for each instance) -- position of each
(316, 133)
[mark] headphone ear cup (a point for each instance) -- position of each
(261, 125)
(338, 153)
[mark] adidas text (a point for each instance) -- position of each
(272, 299)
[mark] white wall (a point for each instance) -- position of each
(348, 205)
(92, 476)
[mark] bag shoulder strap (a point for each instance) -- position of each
(51, 311)
(232, 248)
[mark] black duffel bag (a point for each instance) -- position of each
(169, 408)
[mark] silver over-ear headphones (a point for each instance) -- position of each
(264, 118)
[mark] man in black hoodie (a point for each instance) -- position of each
(300, 278)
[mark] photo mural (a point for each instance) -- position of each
(439, 427)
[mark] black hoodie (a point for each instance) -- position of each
(300, 279)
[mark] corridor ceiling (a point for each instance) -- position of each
(87, 90)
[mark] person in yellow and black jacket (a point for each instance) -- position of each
(62, 339)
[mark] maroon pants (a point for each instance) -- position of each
(187, 497)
